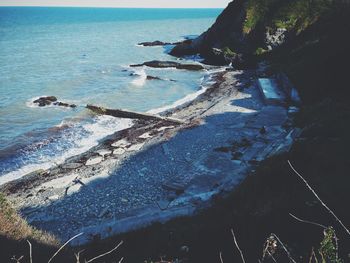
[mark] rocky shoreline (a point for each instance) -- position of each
(157, 170)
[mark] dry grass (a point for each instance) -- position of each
(13, 227)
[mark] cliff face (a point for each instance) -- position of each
(301, 37)
(258, 26)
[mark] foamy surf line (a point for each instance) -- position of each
(206, 82)
(102, 127)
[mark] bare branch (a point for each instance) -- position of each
(30, 252)
(308, 222)
(58, 251)
(237, 246)
(284, 248)
(273, 258)
(120, 261)
(220, 255)
(18, 260)
(104, 254)
(77, 255)
(315, 194)
(313, 256)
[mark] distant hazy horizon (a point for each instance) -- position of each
(119, 3)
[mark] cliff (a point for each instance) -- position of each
(307, 39)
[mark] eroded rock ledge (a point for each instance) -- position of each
(170, 64)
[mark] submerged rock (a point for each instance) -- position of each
(62, 104)
(153, 78)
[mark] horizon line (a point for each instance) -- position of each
(120, 7)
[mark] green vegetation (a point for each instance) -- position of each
(297, 15)
(260, 51)
(256, 12)
(228, 52)
(328, 249)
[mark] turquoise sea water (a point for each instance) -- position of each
(82, 55)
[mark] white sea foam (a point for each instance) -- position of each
(141, 77)
(84, 138)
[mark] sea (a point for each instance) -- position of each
(83, 56)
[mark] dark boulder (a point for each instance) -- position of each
(48, 100)
(45, 101)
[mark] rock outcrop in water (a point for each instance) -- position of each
(52, 100)
(169, 64)
(45, 101)
(157, 43)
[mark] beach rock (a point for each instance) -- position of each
(165, 128)
(104, 152)
(72, 165)
(145, 136)
(121, 143)
(119, 151)
(45, 101)
(94, 160)
(53, 197)
(135, 147)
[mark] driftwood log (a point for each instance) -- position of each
(131, 114)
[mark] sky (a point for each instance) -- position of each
(121, 3)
